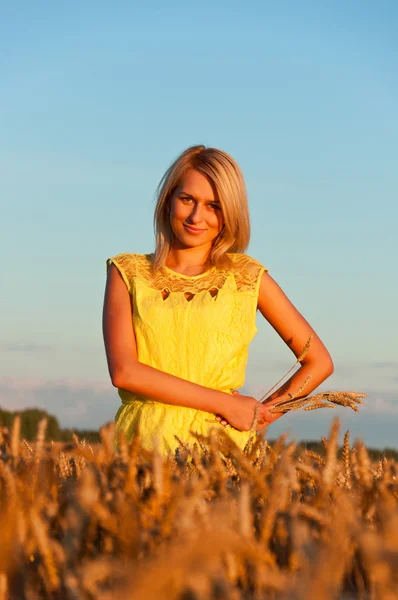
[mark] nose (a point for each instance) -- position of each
(196, 215)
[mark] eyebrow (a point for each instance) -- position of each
(193, 198)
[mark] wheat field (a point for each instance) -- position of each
(271, 522)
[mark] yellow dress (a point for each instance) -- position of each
(195, 327)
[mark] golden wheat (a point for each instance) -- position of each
(210, 522)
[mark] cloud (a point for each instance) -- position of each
(356, 377)
(81, 404)
(384, 364)
(25, 347)
(89, 404)
(72, 383)
(380, 404)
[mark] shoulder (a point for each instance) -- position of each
(244, 261)
(123, 260)
(129, 264)
(247, 271)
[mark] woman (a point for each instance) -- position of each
(177, 323)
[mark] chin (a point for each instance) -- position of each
(192, 241)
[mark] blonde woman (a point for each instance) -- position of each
(177, 323)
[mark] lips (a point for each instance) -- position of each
(193, 229)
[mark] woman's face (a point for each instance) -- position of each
(195, 212)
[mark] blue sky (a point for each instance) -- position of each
(97, 100)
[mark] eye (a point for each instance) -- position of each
(215, 206)
(186, 199)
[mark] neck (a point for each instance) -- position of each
(188, 258)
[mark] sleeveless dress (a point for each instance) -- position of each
(194, 327)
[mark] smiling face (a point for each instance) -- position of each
(201, 207)
(195, 212)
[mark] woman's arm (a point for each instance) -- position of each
(295, 331)
(128, 373)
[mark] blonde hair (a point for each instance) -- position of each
(227, 180)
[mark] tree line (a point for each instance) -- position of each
(30, 418)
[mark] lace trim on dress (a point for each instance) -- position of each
(246, 273)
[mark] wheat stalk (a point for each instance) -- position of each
(271, 522)
(322, 400)
(299, 359)
(16, 430)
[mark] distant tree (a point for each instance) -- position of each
(30, 419)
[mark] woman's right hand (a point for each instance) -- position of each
(241, 409)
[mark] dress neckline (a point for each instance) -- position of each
(177, 274)
(189, 276)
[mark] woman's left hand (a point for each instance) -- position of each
(225, 423)
(221, 419)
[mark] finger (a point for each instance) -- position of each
(262, 428)
(269, 406)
